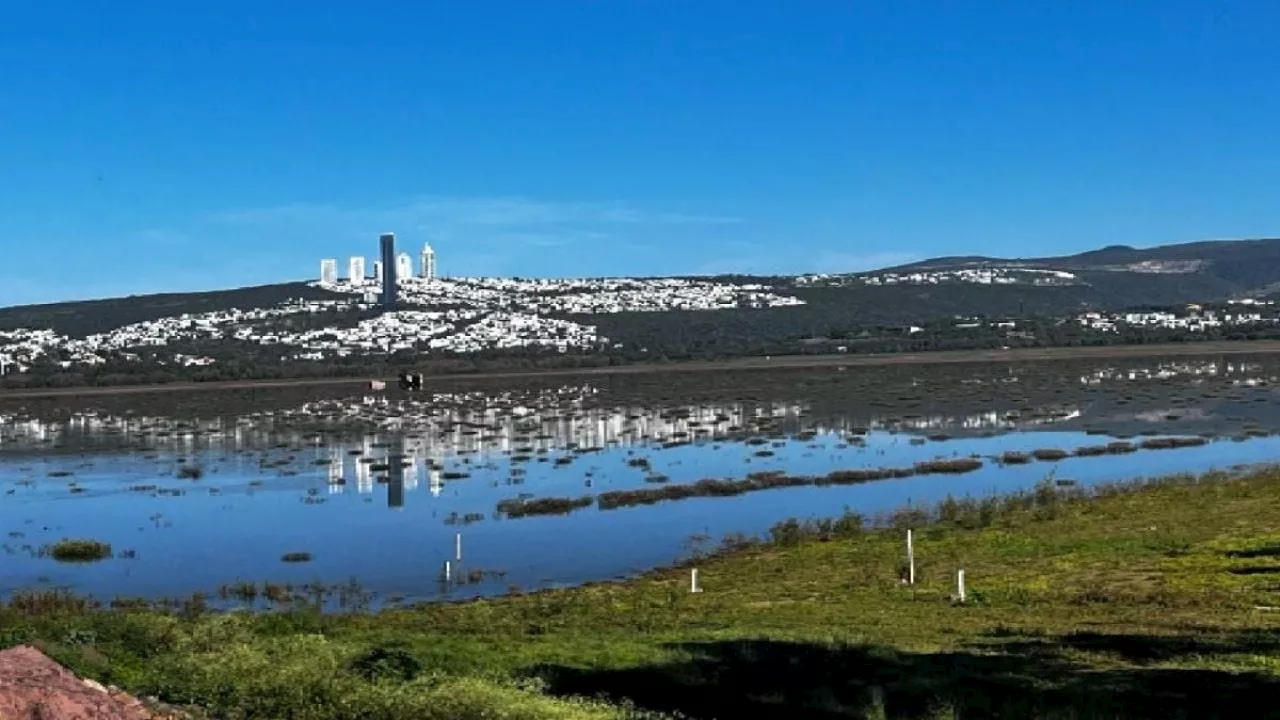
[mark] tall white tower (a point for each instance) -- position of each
(355, 270)
(428, 269)
(328, 271)
(404, 266)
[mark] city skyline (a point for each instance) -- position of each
(403, 265)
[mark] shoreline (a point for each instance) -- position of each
(784, 362)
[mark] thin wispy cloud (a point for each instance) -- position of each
(754, 259)
(429, 212)
(476, 235)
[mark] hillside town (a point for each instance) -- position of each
(430, 315)
(399, 308)
(1193, 318)
(981, 275)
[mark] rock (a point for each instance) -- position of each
(32, 685)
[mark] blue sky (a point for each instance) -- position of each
(152, 146)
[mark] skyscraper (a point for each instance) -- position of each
(377, 271)
(388, 242)
(328, 271)
(428, 269)
(355, 270)
(404, 266)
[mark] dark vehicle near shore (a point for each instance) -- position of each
(411, 381)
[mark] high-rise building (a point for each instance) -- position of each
(355, 270)
(328, 271)
(388, 275)
(428, 269)
(377, 271)
(404, 266)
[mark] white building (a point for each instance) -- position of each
(329, 271)
(404, 266)
(428, 269)
(355, 270)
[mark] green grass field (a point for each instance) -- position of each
(1144, 602)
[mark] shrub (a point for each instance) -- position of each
(383, 663)
(787, 532)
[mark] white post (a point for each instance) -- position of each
(911, 559)
(447, 571)
(960, 584)
(457, 547)
(693, 581)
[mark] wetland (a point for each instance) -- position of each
(526, 484)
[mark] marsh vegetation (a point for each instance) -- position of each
(1143, 600)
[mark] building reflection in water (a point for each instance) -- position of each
(395, 474)
(489, 432)
(428, 430)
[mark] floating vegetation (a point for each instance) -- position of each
(190, 472)
(455, 518)
(1169, 443)
(78, 550)
(520, 507)
(1010, 457)
(1049, 454)
(948, 465)
(296, 557)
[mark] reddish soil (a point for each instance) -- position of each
(33, 687)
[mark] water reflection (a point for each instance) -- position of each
(284, 480)
(440, 432)
(196, 535)
(1248, 371)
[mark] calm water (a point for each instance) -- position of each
(268, 488)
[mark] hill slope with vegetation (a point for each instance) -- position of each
(86, 317)
(472, 324)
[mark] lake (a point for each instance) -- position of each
(377, 487)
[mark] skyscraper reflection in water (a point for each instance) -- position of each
(395, 474)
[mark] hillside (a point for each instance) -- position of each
(86, 317)
(1168, 273)
(453, 324)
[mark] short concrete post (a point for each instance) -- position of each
(457, 547)
(911, 559)
(960, 585)
(693, 581)
(448, 571)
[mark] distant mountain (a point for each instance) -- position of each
(1222, 268)
(1122, 276)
